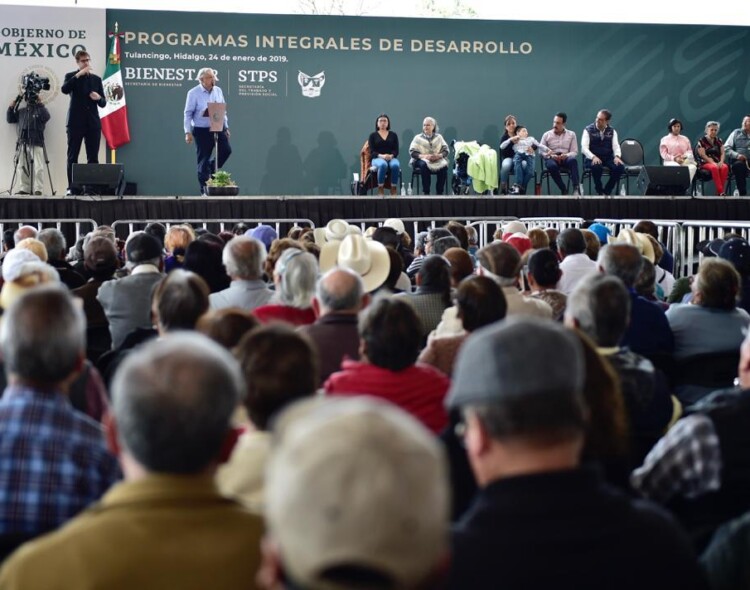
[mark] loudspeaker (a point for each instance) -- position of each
(663, 180)
(102, 179)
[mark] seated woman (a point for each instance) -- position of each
(675, 148)
(710, 154)
(294, 276)
(429, 155)
(384, 152)
(506, 153)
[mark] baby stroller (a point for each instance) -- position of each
(461, 183)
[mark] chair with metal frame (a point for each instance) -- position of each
(633, 158)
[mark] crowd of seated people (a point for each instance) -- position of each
(339, 409)
(558, 150)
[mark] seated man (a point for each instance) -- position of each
(649, 333)
(53, 459)
(738, 151)
(243, 257)
(127, 301)
(699, 468)
(563, 154)
(357, 500)
(600, 308)
(339, 297)
(601, 148)
(166, 525)
(539, 519)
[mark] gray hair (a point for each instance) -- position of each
(43, 335)
(621, 260)
(203, 71)
(298, 273)
(54, 240)
(243, 257)
(441, 245)
(600, 305)
(173, 400)
(712, 124)
(434, 123)
(340, 289)
(23, 232)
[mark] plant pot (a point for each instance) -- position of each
(222, 191)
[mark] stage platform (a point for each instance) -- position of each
(107, 209)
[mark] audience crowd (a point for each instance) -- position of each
(345, 409)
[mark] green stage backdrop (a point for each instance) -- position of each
(303, 92)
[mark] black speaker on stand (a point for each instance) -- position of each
(99, 179)
(672, 181)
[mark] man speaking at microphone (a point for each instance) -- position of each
(197, 125)
(86, 96)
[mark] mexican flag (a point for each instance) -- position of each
(114, 116)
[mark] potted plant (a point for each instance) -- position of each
(221, 185)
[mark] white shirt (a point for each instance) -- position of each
(574, 267)
(586, 141)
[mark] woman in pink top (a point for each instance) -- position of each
(675, 149)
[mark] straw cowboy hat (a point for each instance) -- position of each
(369, 259)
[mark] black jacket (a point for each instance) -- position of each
(83, 112)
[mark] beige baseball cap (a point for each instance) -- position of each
(356, 482)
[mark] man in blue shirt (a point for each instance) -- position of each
(197, 125)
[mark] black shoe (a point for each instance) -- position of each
(24, 193)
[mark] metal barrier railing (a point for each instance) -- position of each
(72, 229)
(694, 232)
(281, 226)
(480, 224)
(670, 234)
(559, 223)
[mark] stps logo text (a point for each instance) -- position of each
(271, 76)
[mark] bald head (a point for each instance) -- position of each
(340, 290)
(23, 232)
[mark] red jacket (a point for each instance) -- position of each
(419, 389)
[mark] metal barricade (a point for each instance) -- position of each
(124, 227)
(72, 229)
(694, 232)
(559, 223)
(482, 225)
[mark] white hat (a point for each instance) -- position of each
(336, 229)
(396, 224)
(514, 227)
(356, 481)
(14, 261)
(369, 259)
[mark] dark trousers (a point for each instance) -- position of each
(421, 167)
(615, 172)
(77, 135)
(570, 164)
(204, 144)
(739, 169)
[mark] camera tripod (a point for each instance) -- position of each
(29, 131)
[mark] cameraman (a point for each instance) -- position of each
(31, 120)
